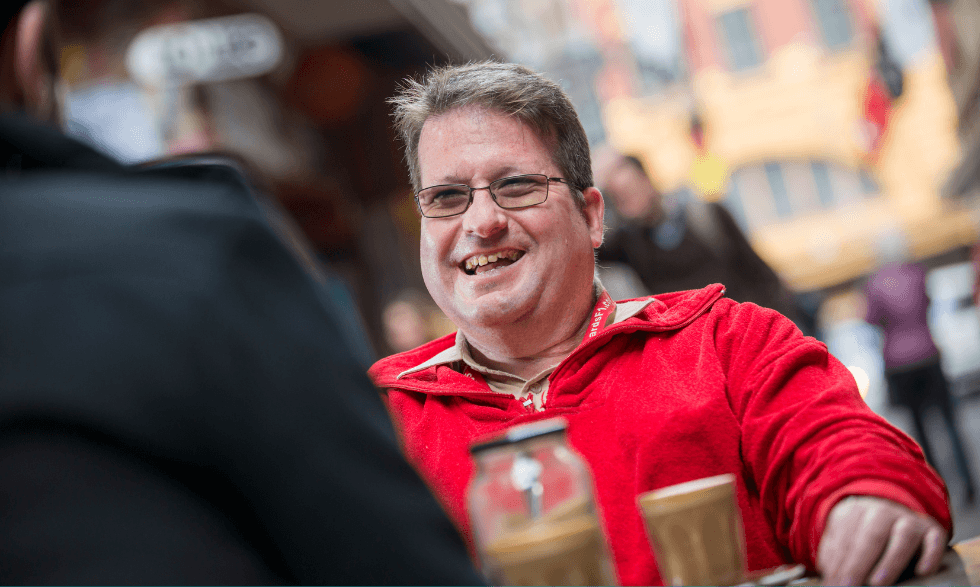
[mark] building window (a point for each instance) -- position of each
(733, 202)
(834, 22)
(868, 184)
(740, 39)
(825, 190)
(777, 185)
(804, 197)
(750, 197)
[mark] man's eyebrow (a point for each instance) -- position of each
(498, 173)
(508, 171)
(453, 179)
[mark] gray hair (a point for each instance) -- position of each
(508, 88)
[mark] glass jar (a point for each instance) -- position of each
(533, 512)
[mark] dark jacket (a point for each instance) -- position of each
(711, 249)
(178, 404)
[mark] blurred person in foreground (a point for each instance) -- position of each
(656, 391)
(177, 403)
(682, 247)
(898, 303)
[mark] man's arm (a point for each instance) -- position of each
(810, 441)
(870, 540)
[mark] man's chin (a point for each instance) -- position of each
(489, 311)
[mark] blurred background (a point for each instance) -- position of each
(821, 125)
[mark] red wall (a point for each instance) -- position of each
(777, 22)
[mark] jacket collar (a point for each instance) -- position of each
(660, 313)
(459, 352)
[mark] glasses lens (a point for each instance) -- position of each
(520, 191)
(444, 200)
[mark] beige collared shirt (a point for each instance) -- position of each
(531, 391)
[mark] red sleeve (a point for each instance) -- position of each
(808, 439)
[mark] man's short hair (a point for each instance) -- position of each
(508, 88)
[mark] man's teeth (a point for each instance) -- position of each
(477, 261)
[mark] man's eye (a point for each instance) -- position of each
(515, 186)
(444, 197)
(450, 194)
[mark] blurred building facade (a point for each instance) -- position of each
(772, 106)
(314, 133)
(786, 116)
(958, 32)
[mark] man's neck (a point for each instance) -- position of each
(524, 350)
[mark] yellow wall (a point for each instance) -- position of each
(806, 104)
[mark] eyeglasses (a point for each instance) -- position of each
(510, 193)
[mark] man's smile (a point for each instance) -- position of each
(483, 262)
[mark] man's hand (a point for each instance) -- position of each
(870, 541)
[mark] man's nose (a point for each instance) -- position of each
(484, 217)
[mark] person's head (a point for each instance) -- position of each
(511, 89)
(479, 124)
(633, 194)
(29, 47)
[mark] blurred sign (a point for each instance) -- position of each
(211, 50)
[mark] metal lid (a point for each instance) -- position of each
(522, 433)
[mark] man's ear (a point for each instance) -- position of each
(32, 73)
(594, 210)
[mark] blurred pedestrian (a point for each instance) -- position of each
(179, 403)
(680, 245)
(898, 302)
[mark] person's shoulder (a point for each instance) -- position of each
(67, 202)
(709, 315)
(42, 160)
(682, 307)
(719, 209)
(28, 145)
(675, 310)
(385, 372)
(203, 169)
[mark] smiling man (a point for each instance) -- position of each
(656, 391)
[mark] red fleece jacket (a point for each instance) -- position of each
(694, 385)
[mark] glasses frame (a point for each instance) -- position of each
(547, 190)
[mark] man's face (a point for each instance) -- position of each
(544, 253)
(633, 194)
